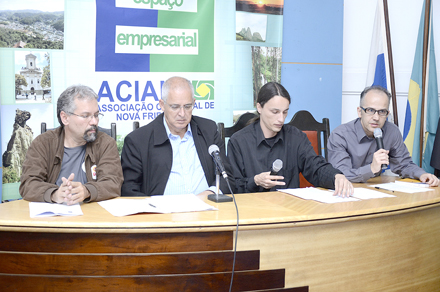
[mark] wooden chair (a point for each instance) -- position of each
(240, 124)
(315, 131)
(111, 132)
(435, 156)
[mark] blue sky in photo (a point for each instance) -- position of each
(42, 5)
(20, 59)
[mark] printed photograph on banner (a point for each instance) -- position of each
(260, 6)
(266, 67)
(37, 24)
(250, 27)
(32, 77)
(20, 125)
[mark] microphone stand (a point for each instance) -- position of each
(217, 197)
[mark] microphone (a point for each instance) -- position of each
(276, 166)
(215, 153)
(379, 142)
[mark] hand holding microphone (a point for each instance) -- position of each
(379, 143)
(266, 179)
(276, 166)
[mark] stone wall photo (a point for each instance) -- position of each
(21, 123)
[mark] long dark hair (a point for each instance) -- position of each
(267, 91)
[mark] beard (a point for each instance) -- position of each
(90, 137)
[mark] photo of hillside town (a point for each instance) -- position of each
(31, 29)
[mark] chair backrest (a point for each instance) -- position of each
(111, 132)
(314, 130)
(435, 156)
(318, 132)
(313, 137)
(239, 124)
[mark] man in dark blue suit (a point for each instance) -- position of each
(169, 156)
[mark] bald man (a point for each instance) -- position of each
(169, 156)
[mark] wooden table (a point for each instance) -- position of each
(387, 244)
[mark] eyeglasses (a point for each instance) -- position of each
(176, 107)
(371, 111)
(88, 117)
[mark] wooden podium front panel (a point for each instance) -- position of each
(394, 253)
(44, 261)
(115, 242)
(243, 281)
(126, 264)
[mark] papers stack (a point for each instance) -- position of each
(156, 204)
(326, 196)
(405, 187)
(40, 209)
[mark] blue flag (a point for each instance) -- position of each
(412, 127)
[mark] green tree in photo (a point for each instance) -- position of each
(266, 67)
(256, 71)
(45, 79)
(19, 82)
(10, 175)
(120, 143)
(59, 25)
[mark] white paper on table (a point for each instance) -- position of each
(179, 203)
(400, 187)
(41, 209)
(324, 196)
(156, 204)
(413, 184)
(365, 194)
(124, 207)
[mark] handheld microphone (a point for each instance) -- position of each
(276, 166)
(215, 153)
(379, 142)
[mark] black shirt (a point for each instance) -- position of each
(250, 154)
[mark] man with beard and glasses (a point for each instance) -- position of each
(74, 162)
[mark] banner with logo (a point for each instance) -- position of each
(124, 50)
(153, 40)
(155, 36)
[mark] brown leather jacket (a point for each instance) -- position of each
(43, 165)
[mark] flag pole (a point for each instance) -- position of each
(424, 65)
(390, 62)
